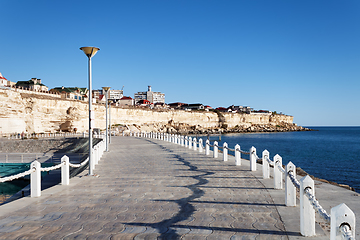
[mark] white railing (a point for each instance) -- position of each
(42, 135)
(341, 218)
(36, 169)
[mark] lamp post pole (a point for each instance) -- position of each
(90, 52)
(110, 122)
(106, 90)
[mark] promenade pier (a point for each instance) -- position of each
(151, 189)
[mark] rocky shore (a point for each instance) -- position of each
(183, 128)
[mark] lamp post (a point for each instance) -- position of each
(110, 121)
(106, 89)
(90, 52)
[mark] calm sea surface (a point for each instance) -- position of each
(331, 153)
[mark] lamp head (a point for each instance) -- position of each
(90, 51)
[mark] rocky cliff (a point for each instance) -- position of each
(40, 113)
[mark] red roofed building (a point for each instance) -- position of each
(4, 82)
(144, 103)
(126, 101)
(222, 109)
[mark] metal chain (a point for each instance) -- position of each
(346, 232)
(47, 169)
(315, 203)
(20, 175)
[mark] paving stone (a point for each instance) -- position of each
(151, 189)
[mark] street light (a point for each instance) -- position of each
(90, 52)
(106, 89)
(110, 121)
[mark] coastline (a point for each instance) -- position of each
(182, 128)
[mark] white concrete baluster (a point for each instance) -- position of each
(307, 212)
(195, 144)
(207, 147)
(253, 159)
(65, 175)
(190, 142)
(182, 141)
(92, 164)
(96, 155)
(341, 215)
(216, 151)
(265, 164)
(200, 145)
(237, 155)
(290, 189)
(186, 141)
(225, 152)
(35, 179)
(278, 178)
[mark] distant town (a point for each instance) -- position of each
(145, 99)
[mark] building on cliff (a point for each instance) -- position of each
(126, 101)
(240, 109)
(33, 84)
(71, 92)
(153, 97)
(114, 95)
(4, 82)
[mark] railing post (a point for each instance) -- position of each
(97, 158)
(265, 164)
(207, 147)
(341, 215)
(92, 164)
(65, 170)
(237, 155)
(225, 152)
(307, 212)
(278, 179)
(182, 141)
(186, 141)
(252, 158)
(290, 189)
(200, 145)
(190, 143)
(216, 152)
(194, 143)
(35, 179)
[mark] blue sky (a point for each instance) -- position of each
(301, 58)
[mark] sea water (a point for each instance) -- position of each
(331, 153)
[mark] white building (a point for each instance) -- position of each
(116, 95)
(153, 97)
(4, 82)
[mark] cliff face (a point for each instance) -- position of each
(38, 113)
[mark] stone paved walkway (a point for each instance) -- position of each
(150, 189)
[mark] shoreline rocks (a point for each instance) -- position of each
(183, 128)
